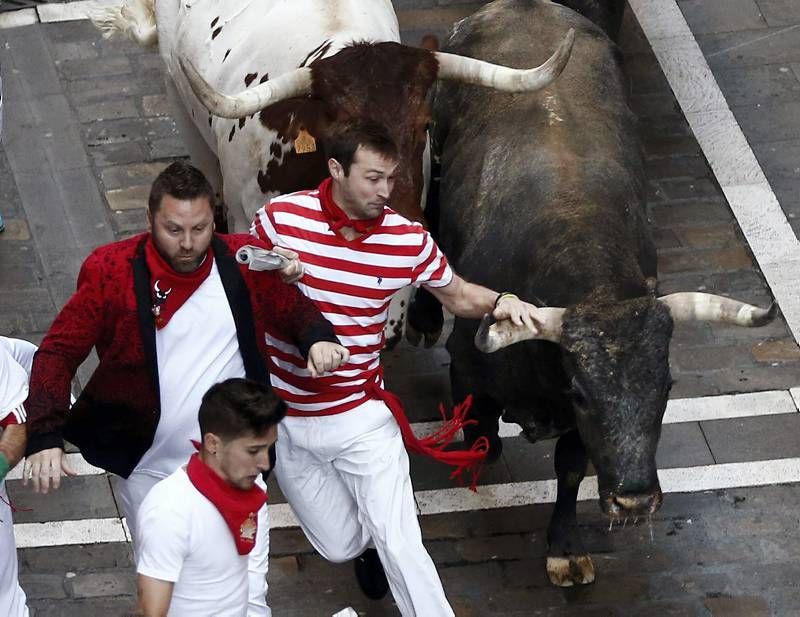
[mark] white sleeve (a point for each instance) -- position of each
(21, 351)
(162, 536)
(263, 227)
(433, 270)
(13, 388)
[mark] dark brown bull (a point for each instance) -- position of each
(543, 194)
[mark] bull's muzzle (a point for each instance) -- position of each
(632, 504)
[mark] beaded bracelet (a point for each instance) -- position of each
(505, 294)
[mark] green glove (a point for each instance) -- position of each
(5, 467)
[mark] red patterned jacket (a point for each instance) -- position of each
(114, 420)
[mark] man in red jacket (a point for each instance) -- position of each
(171, 313)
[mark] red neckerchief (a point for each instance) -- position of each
(337, 218)
(239, 508)
(170, 289)
(435, 445)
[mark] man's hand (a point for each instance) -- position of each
(519, 312)
(45, 467)
(325, 357)
(293, 270)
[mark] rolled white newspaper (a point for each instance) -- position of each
(259, 259)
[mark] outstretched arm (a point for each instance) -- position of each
(472, 301)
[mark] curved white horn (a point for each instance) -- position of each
(492, 335)
(697, 306)
(470, 70)
(247, 102)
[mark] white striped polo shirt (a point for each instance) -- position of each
(352, 283)
(15, 415)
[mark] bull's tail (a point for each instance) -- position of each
(135, 19)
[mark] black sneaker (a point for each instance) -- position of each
(370, 575)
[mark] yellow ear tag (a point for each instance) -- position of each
(305, 142)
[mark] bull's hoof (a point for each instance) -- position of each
(569, 571)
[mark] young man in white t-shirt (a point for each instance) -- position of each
(196, 527)
(16, 357)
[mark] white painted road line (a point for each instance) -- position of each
(71, 11)
(677, 480)
(443, 501)
(727, 406)
(51, 13)
(723, 407)
(795, 392)
(281, 516)
(14, 19)
(751, 198)
(699, 409)
(63, 533)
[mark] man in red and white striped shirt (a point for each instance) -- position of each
(341, 460)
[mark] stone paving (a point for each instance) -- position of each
(753, 49)
(87, 128)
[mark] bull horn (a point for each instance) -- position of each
(470, 70)
(696, 306)
(286, 86)
(492, 335)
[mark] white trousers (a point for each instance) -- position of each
(346, 478)
(132, 492)
(12, 598)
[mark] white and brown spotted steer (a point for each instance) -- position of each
(289, 71)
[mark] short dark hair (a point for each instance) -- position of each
(343, 142)
(239, 407)
(180, 180)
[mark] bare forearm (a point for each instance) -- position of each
(475, 301)
(12, 443)
(465, 299)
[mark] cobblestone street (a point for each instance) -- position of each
(87, 128)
